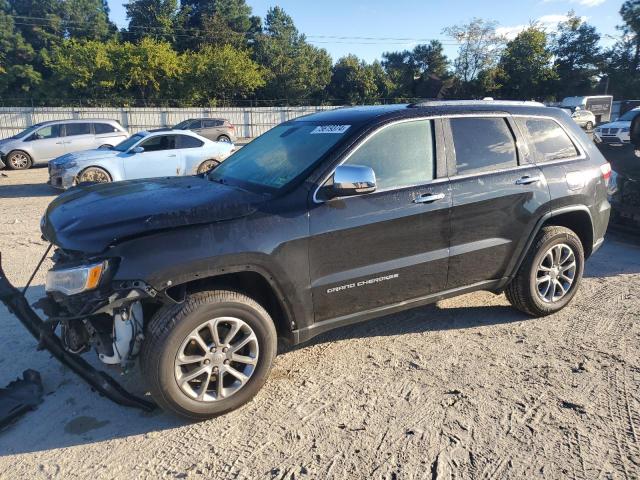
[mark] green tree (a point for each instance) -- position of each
(17, 74)
(352, 81)
(623, 59)
(223, 73)
(525, 70)
(156, 19)
(297, 70)
(578, 57)
(480, 49)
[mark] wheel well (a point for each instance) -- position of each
(251, 284)
(579, 222)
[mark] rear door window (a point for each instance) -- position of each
(483, 145)
(73, 129)
(401, 155)
(185, 141)
(102, 128)
(549, 140)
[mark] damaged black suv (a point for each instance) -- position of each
(323, 221)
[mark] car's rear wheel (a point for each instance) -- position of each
(208, 355)
(224, 138)
(550, 274)
(208, 165)
(18, 160)
(94, 175)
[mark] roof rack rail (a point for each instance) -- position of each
(486, 101)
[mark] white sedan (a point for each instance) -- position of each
(158, 153)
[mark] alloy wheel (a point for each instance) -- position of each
(19, 160)
(556, 273)
(216, 359)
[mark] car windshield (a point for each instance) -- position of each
(279, 156)
(128, 143)
(629, 116)
(27, 131)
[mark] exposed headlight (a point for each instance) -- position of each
(74, 280)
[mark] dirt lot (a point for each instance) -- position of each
(467, 388)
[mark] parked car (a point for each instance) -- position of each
(43, 141)
(600, 105)
(323, 221)
(161, 153)
(616, 133)
(624, 196)
(584, 118)
(216, 129)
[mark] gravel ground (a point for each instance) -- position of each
(467, 388)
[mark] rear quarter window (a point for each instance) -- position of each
(548, 140)
(102, 128)
(184, 141)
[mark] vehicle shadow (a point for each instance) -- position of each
(72, 415)
(619, 255)
(27, 190)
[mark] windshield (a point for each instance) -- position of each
(279, 156)
(629, 116)
(27, 131)
(128, 143)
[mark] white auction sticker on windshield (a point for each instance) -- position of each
(330, 129)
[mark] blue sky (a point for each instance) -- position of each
(403, 23)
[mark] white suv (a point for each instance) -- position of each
(41, 142)
(616, 133)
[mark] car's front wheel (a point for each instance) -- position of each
(18, 160)
(208, 355)
(550, 274)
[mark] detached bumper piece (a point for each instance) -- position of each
(20, 396)
(100, 381)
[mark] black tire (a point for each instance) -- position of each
(522, 292)
(224, 138)
(589, 126)
(170, 328)
(19, 160)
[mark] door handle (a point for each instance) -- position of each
(528, 180)
(429, 198)
(171, 156)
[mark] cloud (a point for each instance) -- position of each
(584, 3)
(547, 22)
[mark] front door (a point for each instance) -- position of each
(159, 159)
(47, 143)
(379, 249)
(498, 196)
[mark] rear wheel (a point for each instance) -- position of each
(224, 138)
(550, 274)
(18, 160)
(208, 165)
(208, 355)
(94, 175)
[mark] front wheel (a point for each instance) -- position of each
(94, 175)
(208, 355)
(18, 160)
(550, 274)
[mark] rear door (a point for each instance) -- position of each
(212, 129)
(159, 159)
(498, 196)
(78, 136)
(370, 251)
(107, 134)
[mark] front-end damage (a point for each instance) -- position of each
(113, 324)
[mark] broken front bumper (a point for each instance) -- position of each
(17, 304)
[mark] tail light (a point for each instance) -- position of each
(232, 126)
(605, 169)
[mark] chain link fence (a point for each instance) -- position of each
(250, 122)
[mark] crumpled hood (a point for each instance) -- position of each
(90, 218)
(97, 154)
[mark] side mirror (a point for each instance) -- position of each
(634, 132)
(349, 180)
(137, 150)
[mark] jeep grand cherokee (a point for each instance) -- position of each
(326, 220)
